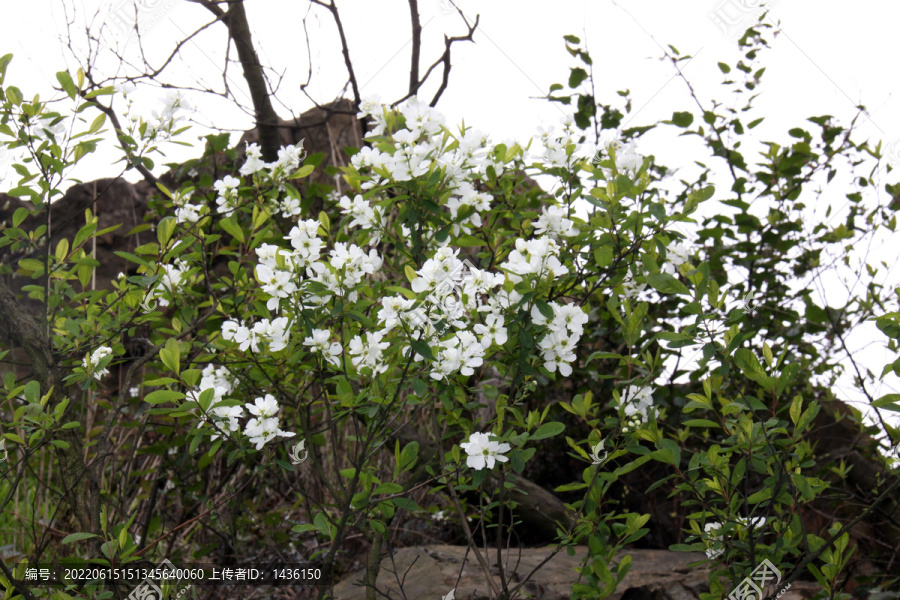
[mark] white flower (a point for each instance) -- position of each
(289, 158)
(536, 256)
(260, 431)
(482, 452)
(553, 222)
(676, 255)
(632, 289)
(363, 214)
(264, 408)
(227, 189)
(318, 342)
(369, 353)
(275, 282)
(254, 162)
(569, 317)
(228, 422)
(188, 213)
(493, 331)
(557, 349)
(91, 364)
(460, 353)
(240, 334)
(714, 543)
(371, 106)
(307, 246)
(637, 404)
(391, 310)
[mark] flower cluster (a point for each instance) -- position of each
(482, 452)
(276, 333)
(537, 256)
(92, 363)
(263, 427)
(423, 144)
(558, 147)
(627, 159)
(460, 353)
(565, 328)
(185, 211)
(168, 117)
(676, 255)
(172, 278)
(637, 404)
(318, 342)
(368, 353)
(554, 223)
(364, 216)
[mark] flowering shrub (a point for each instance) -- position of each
(440, 270)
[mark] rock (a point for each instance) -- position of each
(430, 572)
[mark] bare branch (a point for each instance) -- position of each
(332, 7)
(239, 32)
(416, 47)
(445, 60)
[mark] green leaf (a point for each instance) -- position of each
(422, 348)
(667, 284)
(97, 124)
(160, 396)
(161, 381)
(409, 455)
(164, 231)
(31, 264)
(171, 355)
(81, 535)
(796, 409)
(469, 241)
(548, 430)
(576, 77)
(888, 401)
(33, 392)
(65, 80)
(682, 119)
(409, 294)
(545, 308)
(303, 171)
(233, 229)
(701, 423)
(14, 438)
(83, 234)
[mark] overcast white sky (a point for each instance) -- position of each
(830, 57)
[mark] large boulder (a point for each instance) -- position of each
(433, 571)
